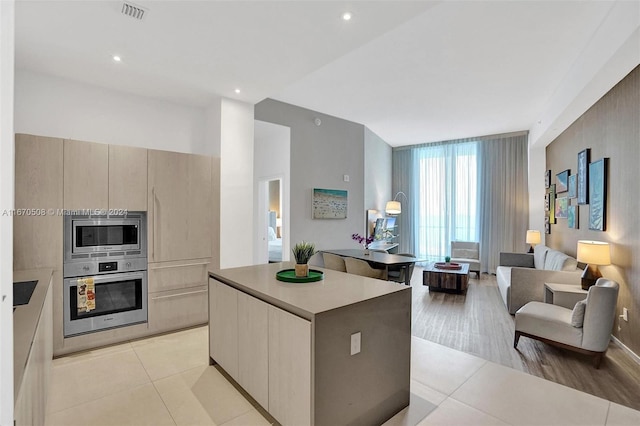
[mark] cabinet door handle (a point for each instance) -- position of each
(184, 265)
(153, 225)
(179, 294)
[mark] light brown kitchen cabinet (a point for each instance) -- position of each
(31, 400)
(179, 206)
(86, 175)
(265, 349)
(223, 326)
(127, 178)
(289, 368)
(38, 239)
(253, 347)
(178, 294)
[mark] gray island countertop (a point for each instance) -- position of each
(336, 290)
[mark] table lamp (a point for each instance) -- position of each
(593, 253)
(533, 238)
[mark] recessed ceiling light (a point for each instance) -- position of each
(237, 90)
(117, 58)
(347, 16)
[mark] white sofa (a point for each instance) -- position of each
(521, 276)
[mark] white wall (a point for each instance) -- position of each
(537, 161)
(6, 203)
(236, 184)
(51, 106)
(272, 160)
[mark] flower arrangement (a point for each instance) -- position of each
(365, 241)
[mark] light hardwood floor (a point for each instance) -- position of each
(478, 323)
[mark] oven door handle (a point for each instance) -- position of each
(101, 279)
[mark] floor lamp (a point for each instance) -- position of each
(394, 207)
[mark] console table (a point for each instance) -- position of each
(566, 295)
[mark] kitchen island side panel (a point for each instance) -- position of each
(373, 385)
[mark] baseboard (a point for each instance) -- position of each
(624, 347)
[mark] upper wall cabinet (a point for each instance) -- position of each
(127, 178)
(38, 185)
(101, 176)
(86, 175)
(179, 206)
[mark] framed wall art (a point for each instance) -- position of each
(572, 217)
(547, 225)
(561, 207)
(584, 157)
(552, 204)
(546, 202)
(547, 179)
(562, 181)
(573, 182)
(598, 194)
(329, 204)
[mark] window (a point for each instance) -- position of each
(448, 198)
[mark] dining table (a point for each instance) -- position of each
(380, 258)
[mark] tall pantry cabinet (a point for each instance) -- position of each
(181, 220)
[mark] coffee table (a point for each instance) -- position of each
(446, 280)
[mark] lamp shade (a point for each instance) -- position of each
(594, 252)
(533, 236)
(393, 207)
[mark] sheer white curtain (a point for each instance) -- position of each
(471, 190)
(448, 202)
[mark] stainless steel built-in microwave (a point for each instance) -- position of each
(90, 237)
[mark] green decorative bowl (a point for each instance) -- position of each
(289, 275)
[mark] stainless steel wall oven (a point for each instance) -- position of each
(105, 272)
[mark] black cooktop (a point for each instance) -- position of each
(22, 292)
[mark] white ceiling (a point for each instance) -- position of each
(411, 71)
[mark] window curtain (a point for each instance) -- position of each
(448, 182)
(470, 190)
(504, 198)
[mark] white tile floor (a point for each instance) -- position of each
(167, 380)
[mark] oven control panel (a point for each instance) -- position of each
(79, 269)
(107, 266)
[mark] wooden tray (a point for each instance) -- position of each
(452, 266)
(289, 275)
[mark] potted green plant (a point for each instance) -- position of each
(302, 253)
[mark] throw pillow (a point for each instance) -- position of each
(577, 315)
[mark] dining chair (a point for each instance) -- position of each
(333, 261)
(396, 273)
(360, 267)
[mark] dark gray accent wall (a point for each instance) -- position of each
(377, 171)
(610, 128)
(320, 157)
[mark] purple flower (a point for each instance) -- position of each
(362, 240)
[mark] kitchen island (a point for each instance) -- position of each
(331, 352)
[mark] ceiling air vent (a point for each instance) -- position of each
(133, 10)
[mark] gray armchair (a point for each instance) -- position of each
(585, 329)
